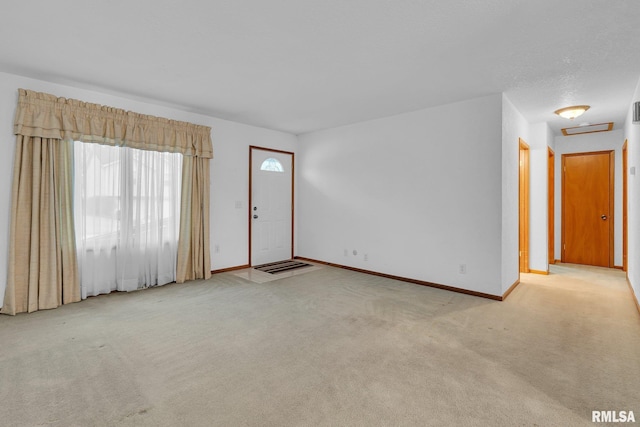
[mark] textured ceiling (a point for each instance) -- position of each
(300, 65)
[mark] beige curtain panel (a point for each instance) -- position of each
(194, 257)
(48, 116)
(42, 256)
(42, 271)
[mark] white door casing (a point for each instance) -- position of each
(271, 213)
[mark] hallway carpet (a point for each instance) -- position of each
(329, 347)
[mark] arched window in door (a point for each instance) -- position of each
(272, 165)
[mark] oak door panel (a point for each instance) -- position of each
(586, 209)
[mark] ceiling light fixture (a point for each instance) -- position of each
(572, 112)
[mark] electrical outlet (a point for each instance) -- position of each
(216, 248)
(355, 252)
(462, 269)
(366, 257)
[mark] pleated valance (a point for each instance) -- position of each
(48, 116)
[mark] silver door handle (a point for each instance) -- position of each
(255, 217)
(604, 217)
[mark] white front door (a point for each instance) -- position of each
(271, 206)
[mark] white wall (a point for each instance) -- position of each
(418, 193)
(229, 168)
(632, 134)
(601, 141)
(514, 127)
(541, 138)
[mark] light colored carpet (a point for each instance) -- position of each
(328, 347)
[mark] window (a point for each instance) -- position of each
(272, 165)
(127, 217)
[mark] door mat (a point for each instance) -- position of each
(281, 266)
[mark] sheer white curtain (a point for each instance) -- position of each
(127, 213)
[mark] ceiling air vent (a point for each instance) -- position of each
(578, 130)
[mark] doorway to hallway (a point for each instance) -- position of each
(523, 206)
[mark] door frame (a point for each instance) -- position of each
(249, 208)
(611, 154)
(625, 220)
(551, 172)
(523, 205)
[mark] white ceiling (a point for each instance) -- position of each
(302, 65)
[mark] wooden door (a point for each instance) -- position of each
(587, 208)
(551, 206)
(271, 206)
(523, 181)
